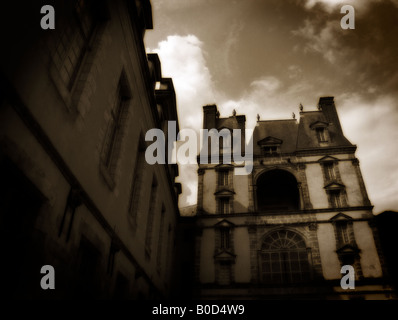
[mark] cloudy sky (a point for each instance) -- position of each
(268, 56)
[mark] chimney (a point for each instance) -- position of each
(209, 116)
(326, 105)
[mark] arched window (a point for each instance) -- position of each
(277, 190)
(284, 258)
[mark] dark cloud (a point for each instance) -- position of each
(268, 56)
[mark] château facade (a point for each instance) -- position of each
(286, 229)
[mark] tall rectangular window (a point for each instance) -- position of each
(329, 171)
(114, 133)
(335, 199)
(321, 134)
(223, 205)
(74, 41)
(225, 242)
(151, 214)
(223, 178)
(137, 181)
(342, 229)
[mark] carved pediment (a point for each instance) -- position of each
(224, 166)
(334, 186)
(348, 249)
(319, 124)
(225, 256)
(224, 192)
(224, 223)
(328, 159)
(340, 217)
(270, 141)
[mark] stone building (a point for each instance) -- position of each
(285, 230)
(76, 191)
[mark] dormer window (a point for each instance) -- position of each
(270, 150)
(321, 134)
(270, 146)
(321, 131)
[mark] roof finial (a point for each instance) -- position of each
(234, 112)
(293, 115)
(258, 117)
(301, 107)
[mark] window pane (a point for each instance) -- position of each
(289, 258)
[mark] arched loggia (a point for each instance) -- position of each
(277, 190)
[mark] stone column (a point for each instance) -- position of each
(304, 187)
(252, 230)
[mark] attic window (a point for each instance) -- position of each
(321, 134)
(270, 150)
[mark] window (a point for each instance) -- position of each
(335, 198)
(329, 171)
(321, 134)
(342, 229)
(270, 150)
(225, 242)
(223, 178)
(284, 258)
(151, 213)
(223, 205)
(114, 133)
(137, 182)
(74, 41)
(114, 129)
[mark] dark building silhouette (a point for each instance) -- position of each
(76, 191)
(386, 224)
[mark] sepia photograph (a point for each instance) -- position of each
(199, 154)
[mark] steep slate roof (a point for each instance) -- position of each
(285, 130)
(290, 135)
(307, 138)
(298, 136)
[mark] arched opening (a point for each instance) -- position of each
(277, 191)
(284, 258)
